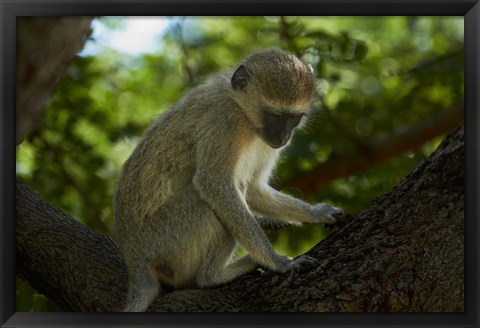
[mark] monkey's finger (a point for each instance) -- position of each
(340, 221)
(337, 211)
(330, 219)
(304, 263)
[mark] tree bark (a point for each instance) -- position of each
(45, 46)
(404, 253)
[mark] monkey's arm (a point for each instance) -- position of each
(214, 181)
(269, 224)
(269, 202)
(225, 200)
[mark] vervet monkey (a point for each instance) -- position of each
(187, 194)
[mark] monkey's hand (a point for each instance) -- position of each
(325, 213)
(302, 263)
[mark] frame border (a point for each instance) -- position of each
(9, 9)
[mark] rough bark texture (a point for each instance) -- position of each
(45, 45)
(404, 253)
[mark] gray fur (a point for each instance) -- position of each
(185, 196)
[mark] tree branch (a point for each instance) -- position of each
(376, 152)
(40, 64)
(405, 253)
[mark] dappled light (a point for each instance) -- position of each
(387, 91)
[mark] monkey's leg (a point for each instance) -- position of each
(187, 240)
(217, 273)
(240, 267)
(142, 287)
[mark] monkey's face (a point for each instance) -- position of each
(277, 126)
(274, 89)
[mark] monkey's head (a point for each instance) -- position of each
(274, 88)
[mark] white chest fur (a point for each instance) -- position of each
(255, 163)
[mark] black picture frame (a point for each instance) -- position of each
(9, 10)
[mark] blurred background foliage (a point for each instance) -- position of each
(377, 78)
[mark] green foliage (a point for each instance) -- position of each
(28, 300)
(376, 76)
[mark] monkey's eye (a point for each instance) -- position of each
(295, 119)
(274, 115)
(298, 115)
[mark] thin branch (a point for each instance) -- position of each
(178, 28)
(345, 131)
(430, 64)
(380, 150)
(284, 31)
(40, 64)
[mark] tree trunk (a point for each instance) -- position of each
(404, 253)
(45, 46)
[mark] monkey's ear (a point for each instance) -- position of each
(240, 78)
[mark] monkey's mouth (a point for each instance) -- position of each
(276, 142)
(276, 139)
